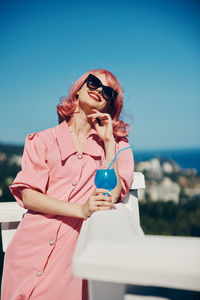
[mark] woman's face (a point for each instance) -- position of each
(89, 99)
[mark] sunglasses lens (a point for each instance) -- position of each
(107, 93)
(93, 82)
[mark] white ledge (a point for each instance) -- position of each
(11, 212)
(138, 181)
(112, 248)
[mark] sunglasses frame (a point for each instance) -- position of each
(114, 93)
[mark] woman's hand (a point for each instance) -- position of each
(97, 202)
(105, 130)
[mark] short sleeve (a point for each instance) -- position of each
(125, 164)
(34, 169)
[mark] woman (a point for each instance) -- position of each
(56, 185)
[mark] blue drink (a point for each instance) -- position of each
(105, 176)
(105, 179)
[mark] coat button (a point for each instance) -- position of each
(52, 242)
(39, 273)
(80, 156)
(74, 183)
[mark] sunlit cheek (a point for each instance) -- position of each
(83, 96)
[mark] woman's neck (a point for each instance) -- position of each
(80, 125)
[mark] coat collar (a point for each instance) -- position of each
(94, 145)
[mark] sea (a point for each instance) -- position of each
(186, 158)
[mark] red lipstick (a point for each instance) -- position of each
(94, 96)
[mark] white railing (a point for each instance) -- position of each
(116, 257)
(10, 216)
(120, 262)
(11, 213)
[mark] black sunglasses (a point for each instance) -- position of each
(94, 83)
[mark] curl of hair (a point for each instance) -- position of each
(67, 104)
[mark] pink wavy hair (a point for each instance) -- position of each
(67, 104)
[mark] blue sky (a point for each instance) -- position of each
(152, 47)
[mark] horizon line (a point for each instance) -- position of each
(168, 148)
